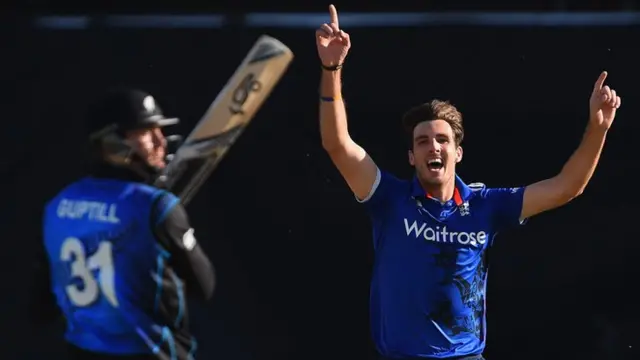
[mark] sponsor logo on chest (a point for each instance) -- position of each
(440, 234)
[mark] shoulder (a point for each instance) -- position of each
(68, 190)
(394, 181)
(477, 187)
(142, 189)
(146, 193)
(385, 185)
(484, 194)
(479, 190)
(484, 191)
(164, 203)
(496, 195)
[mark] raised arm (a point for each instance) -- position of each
(353, 162)
(577, 171)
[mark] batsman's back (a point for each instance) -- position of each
(106, 265)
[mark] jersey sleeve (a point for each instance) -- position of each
(380, 194)
(378, 203)
(506, 205)
(173, 231)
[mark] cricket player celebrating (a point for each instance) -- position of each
(431, 234)
(117, 254)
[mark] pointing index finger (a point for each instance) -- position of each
(334, 14)
(600, 81)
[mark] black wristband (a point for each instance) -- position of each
(331, 68)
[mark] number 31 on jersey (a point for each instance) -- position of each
(82, 268)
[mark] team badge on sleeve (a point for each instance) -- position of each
(189, 240)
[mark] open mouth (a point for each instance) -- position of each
(435, 164)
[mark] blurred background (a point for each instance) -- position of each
(292, 248)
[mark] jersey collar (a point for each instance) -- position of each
(461, 193)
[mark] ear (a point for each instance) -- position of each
(412, 159)
(458, 154)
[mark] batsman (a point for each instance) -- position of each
(118, 255)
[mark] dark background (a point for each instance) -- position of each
(291, 246)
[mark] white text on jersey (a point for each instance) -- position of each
(443, 235)
(89, 210)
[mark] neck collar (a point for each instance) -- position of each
(461, 192)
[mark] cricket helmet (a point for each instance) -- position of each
(119, 111)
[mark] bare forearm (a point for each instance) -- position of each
(577, 171)
(351, 160)
(333, 115)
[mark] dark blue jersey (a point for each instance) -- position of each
(430, 272)
(118, 280)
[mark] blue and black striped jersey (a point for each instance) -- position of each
(119, 257)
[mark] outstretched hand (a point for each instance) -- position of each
(603, 103)
(333, 44)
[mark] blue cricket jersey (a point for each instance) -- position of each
(106, 266)
(430, 272)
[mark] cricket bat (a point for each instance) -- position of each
(227, 117)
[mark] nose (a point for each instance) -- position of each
(434, 146)
(158, 138)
